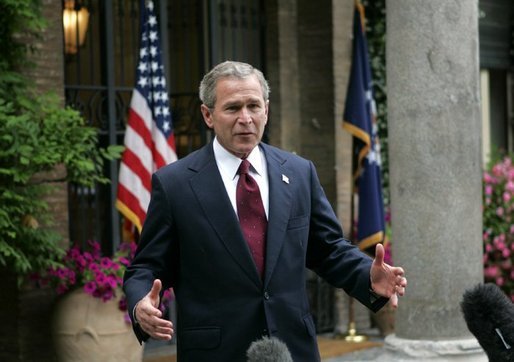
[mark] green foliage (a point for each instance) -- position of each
(21, 20)
(35, 137)
(498, 223)
(376, 37)
(36, 134)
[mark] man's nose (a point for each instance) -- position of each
(244, 115)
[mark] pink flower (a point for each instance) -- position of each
(124, 261)
(107, 295)
(497, 170)
(61, 273)
(99, 276)
(112, 282)
(510, 185)
(499, 211)
(122, 304)
(506, 197)
(81, 261)
(487, 178)
(105, 263)
(72, 277)
(89, 287)
(488, 190)
(491, 272)
(74, 252)
(89, 258)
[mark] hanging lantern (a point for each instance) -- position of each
(75, 22)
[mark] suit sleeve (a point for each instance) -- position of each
(333, 257)
(155, 255)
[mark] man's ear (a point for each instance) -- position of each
(266, 108)
(207, 115)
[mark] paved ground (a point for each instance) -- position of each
(156, 351)
(369, 354)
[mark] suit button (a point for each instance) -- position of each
(266, 295)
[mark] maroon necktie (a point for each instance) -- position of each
(252, 217)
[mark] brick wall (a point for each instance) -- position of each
(26, 312)
(48, 76)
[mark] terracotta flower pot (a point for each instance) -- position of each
(88, 329)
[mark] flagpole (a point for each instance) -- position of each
(351, 334)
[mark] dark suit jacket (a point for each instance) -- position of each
(192, 241)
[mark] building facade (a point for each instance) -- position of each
(304, 50)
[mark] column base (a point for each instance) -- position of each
(399, 349)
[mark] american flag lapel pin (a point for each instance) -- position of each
(285, 179)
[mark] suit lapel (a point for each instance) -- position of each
(280, 197)
(212, 196)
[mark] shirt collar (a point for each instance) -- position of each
(230, 163)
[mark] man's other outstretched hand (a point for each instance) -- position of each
(386, 280)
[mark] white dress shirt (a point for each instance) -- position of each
(228, 164)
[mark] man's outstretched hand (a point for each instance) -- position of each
(149, 316)
(386, 280)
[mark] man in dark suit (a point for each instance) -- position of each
(234, 285)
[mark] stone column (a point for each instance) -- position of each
(435, 173)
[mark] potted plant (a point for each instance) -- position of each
(91, 320)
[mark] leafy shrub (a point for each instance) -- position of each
(498, 221)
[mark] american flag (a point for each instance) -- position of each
(149, 140)
(360, 120)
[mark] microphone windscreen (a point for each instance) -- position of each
(489, 315)
(268, 349)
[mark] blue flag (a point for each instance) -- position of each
(360, 120)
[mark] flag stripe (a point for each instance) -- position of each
(129, 207)
(132, 181)
(141, 117)
(139, 171)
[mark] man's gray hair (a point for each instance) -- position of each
(225, 70)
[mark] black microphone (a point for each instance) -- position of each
(268, 349)
(489, 315)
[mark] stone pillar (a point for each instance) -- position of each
(435, 173)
